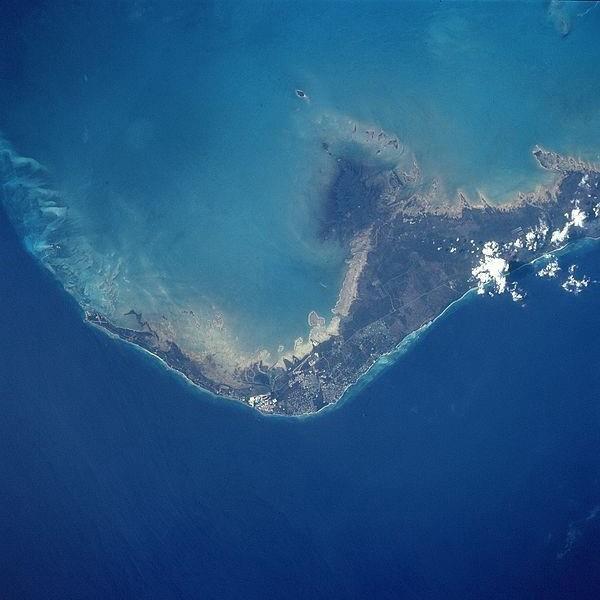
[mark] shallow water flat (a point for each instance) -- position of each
(468, 468)
(193, 172)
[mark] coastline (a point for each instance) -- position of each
(352, 389)
(385, 361)
(372, 368)
(390, 358)
(408, 258)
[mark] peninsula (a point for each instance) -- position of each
(411, 252)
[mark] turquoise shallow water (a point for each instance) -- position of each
(468, 469)
(192, 172)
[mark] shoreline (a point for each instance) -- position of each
(409, 256)
(335, 359)
(414, 337)
(378, 367)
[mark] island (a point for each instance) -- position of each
(411, 252)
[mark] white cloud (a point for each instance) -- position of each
(584, 181)
(575, 219)
(550, 270)
(574, 285)
(515, 293)
(492, 270)
(535, 237)
(578, 217)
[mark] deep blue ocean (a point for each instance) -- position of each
(187, 172)
(155, 156)
(468, 469)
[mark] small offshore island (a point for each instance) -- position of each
(411, 253)
(271, 200)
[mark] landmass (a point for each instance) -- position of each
(411, 253)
